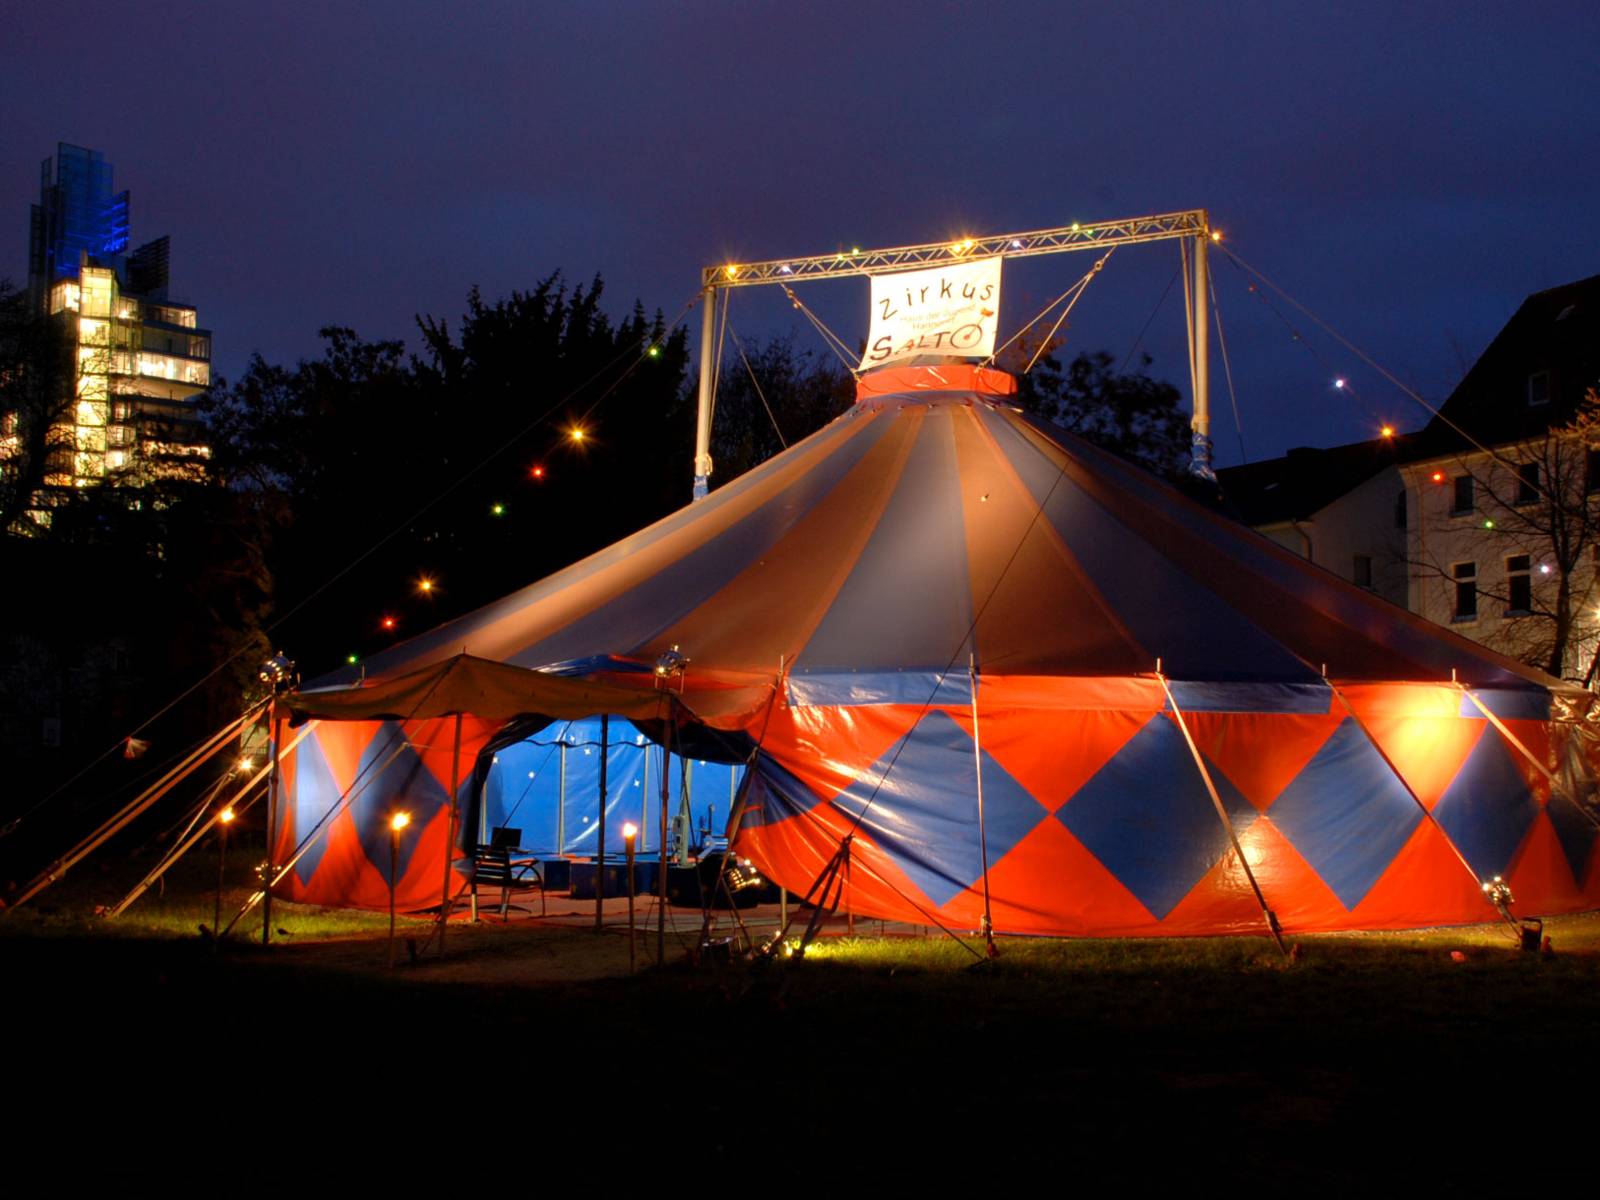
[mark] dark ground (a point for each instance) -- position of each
(1211, 1063)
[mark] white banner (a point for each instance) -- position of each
(941, 310)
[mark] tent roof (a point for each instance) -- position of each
(932, 521)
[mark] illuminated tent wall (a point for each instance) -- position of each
(829, 601)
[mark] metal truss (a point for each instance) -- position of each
(1080, 235)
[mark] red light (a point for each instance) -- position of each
(1437, 477)
(389, 622)
(537, 473)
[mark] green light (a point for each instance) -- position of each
(499, 510)
(1488, 524)
(654, 352)
(351, 659)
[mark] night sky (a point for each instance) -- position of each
(1409, 171)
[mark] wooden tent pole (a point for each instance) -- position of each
(661, 880)
(600, 856)
(133, 809)
(450, 833)
(983, 836)
(1222, 814)
(275, 724)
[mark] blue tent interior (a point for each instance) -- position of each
(548, 786)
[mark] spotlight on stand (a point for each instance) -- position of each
(671, 665)
(278, 673)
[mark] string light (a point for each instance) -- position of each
(226, 816)
(576, 433)
(1489, 524)
(1216, 235)
(388, 622)
(1544, 568)
(731, 271)
(425, 585)
(1386, 431)
(351, 659)
(498, 510)
(246, 762)
(1339, 383)
(654, 351)
(1437, 477)
(536, 473)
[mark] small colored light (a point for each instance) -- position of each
(537, 473)
(855, 249)
(389, 622)
(1074, 227)
(786, 269)
(654, 351)
(351, 659)
(226, 816)
(1339, 383)
(1488, 524)
(1016, 243)
(576, 433)
(246, 762)
(1544, 568)
(498, 510)
(629, 829)
(425, 585)
(399, 821)
(731, 271)
(1216, 235)
(1387, 431)
(1437, 477)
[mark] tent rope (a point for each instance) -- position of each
(633, 353)
(1227, 367)
(756, 383)
(1556, 785)
(833, 340)
(1071, 295)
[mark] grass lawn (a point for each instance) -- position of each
(1437, 1058)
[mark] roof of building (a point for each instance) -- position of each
(1307, 479)
(1557, 332)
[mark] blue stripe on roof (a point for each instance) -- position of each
(907, 601)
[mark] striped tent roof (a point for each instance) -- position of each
(933, 521)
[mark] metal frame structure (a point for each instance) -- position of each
(1080, 235)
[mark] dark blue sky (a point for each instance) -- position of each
(1410, 171)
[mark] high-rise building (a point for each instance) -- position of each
(141, 356)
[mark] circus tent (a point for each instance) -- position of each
(1173, 723)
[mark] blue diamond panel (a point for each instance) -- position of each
(1147, 816)
(1575, 831)
(1487, 809)
(315, 793)
(925, 814)
(387, 783)
(1347, 814)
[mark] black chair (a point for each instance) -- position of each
(503, 864)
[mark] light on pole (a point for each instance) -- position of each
(397, 824)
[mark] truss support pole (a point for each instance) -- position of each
(275, 727)
(702, 419)
(1200, 422)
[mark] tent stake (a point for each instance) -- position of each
(1222, 814)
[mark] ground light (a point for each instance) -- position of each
(630, 833)
(224, 819)
(397, 825)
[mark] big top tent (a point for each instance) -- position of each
(1172, 722)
